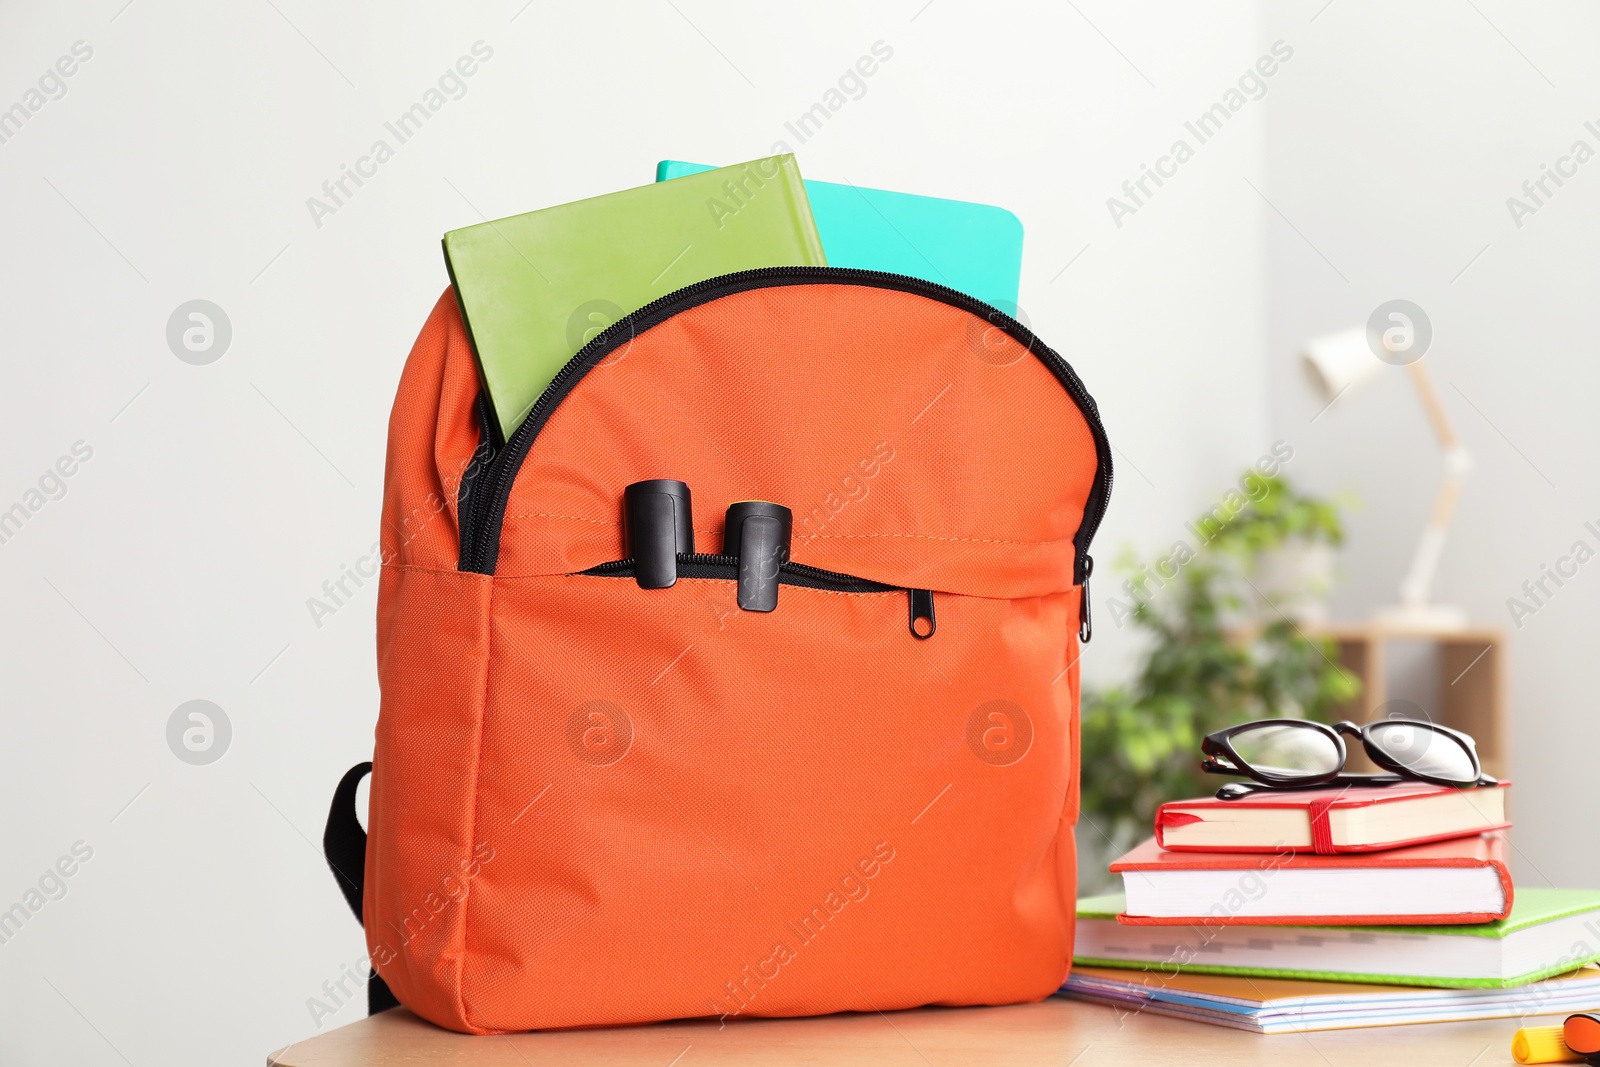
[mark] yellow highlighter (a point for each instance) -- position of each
(1541, 1044)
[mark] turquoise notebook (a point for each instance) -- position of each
(973, 248)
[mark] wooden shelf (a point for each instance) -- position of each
(1471, 684)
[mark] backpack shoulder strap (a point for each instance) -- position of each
(344, 845)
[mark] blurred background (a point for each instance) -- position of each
(170, 509)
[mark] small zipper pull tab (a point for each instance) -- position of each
(923, 624)
(1085, 621)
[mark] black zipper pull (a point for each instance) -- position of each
(1085, 621)
(757, 535)
(923, 624)
(659, 528)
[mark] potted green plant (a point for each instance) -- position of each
(1279, 550)
(1202, 670)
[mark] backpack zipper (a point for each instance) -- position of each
(484, 512)
(711, 565)
(707, 565)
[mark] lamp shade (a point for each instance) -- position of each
(1340, 361)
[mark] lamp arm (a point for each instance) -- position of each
(1418, 581)
(1432, 406)
(1417, 584)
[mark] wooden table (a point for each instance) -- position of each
(1055, 1033)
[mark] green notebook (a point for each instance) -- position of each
(1548, 932)
(972, 248)
(535, 288)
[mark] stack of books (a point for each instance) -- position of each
(1324, 909)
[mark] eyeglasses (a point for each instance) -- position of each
(1300, 754)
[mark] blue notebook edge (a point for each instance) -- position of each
(1003, 229)
(667, 169)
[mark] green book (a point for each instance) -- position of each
(536, 288)
(1549, 932)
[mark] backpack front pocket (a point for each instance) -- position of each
(838, 792)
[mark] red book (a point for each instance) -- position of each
(1332, 821)
(1463, 880)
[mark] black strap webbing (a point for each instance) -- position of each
(344, 843)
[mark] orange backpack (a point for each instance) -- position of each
(595, 803)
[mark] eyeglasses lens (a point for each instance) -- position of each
(1423, 750)
(1287, 751)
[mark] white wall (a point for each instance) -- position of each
(218, 498)
(1394, 158)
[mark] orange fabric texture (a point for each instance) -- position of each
(598, 804)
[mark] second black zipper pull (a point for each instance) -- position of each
(923, 624)
(1085, 620)
(757, 534)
